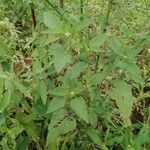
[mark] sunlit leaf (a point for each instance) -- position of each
(56, 104)
(79, 106)
(61, 57)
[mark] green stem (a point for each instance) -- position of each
(104, 30)
(33, 14)
(81, 8)
(108, 14)
(81, 18)
(97, 61)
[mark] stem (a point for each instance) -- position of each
(61, 3)
(104, 30)
(81, 8)
(81, 18)
(97, 61)
(108, 14)
(33, 14)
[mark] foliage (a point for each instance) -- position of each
(74, 75)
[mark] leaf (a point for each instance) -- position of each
(117, 46)
(22, 144)
(59, 91)
(97, 41)
(43, 91)
(56, 104)
(67, 126)
(63, 127)
(4, 50)
(93, 118)
(4, 101)
(133, 72)
(61, 57)
(53, 22)
(40, 108)
(2, 119)
(79, 106)
(1, 82)
(78, 88)
(76, 70)
(122, 94)
(58, 116)
(77, 27)
(94, 79)
(59, 125)
(94, 136)
(22, 88)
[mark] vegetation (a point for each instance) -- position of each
(74, 74)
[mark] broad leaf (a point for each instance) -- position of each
(61, 57)
(97, 41)
(56, 104)
(59, 91)
(133, 71)
(22, 88)
(60, 124)
(122, 94)
(43, 91)
(76, 70)
(53, 22)
(77, 27)
(93, 79)
(5, 101)
(79, 106)
(94, 136)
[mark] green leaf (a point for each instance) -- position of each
(63, 127)
(53, 22)
(78, 105)
(61, 57)
(22, 88)
(93, 118)
(59, 91)
(22, 144)
(53, 129)
(67, 125)
(94, 136)
(78, 88)
(97, 41)
(43, 91)
(5, 101)
(77, 27)
(4, 50)
(58, 116)
(76, 70)
(122, 94)
(40, 108)
(117, 46)
(93, 79)
(2, 118)
(56, 104)
(133, 72)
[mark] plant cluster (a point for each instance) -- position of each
(74, 75)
